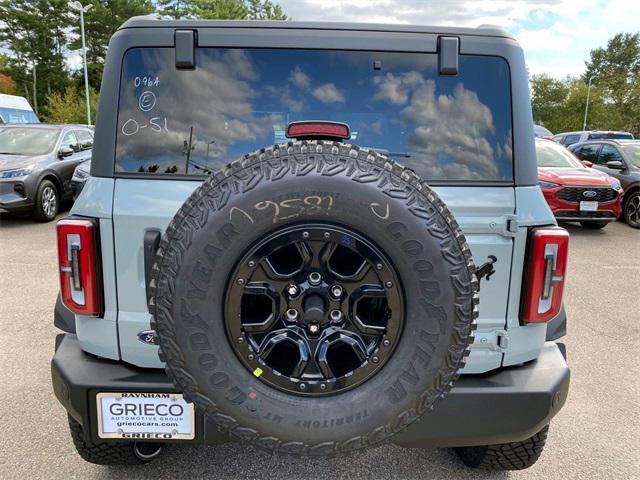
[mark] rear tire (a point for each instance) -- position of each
(505, 456)
(116, 453)
(47, 202)
(631, 211)
(594, 225)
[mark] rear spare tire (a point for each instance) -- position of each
(314, 298)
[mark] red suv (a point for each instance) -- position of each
(574, 191)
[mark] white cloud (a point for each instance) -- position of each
(328, 93)
(395, 89)
(290, 102)
(299, 79)
(456, 127)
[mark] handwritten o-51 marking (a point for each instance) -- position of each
(157, 124)
(130, 127)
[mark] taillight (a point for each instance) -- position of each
(78, 259)
(547, 266)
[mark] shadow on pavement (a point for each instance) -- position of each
(233, 461)
(12, 221)
(575, 229)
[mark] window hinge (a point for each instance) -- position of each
(510, 225)
(448, 50)
(496, 340)
(185, 44)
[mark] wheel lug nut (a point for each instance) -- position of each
(303, 386)
(323, 386)
(335, 315)
(327, 234)
(336, 291)
(292, 314)
(314, 328)
(386, 343)
(315, 278)
(305, 234)
(375, 359)
(251, 264)
(388, 284)
(293, 290)
(379, 266)
(241, 281)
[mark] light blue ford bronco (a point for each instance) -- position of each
(311, 238)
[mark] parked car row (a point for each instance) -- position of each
(42, 165)
(37, 164)
(604, 186)
(594, 181)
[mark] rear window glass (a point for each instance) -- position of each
(600, 136)
(239, 100)
(570, 139)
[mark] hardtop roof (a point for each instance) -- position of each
(153, 21)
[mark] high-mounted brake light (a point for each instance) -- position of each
(319, 130)
(78, 259)
(547, 267)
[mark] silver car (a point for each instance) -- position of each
(37, 162)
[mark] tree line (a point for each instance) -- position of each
(38, 36)
(614, 96)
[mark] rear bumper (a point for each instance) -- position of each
(585, 217)
(13, 198)
(509, 405)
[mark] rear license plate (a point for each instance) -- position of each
(164, 416)
(589, 206)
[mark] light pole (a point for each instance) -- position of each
(78, 6)
(586, 107)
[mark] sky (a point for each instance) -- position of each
(557, 35)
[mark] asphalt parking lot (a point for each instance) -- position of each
(594, 437)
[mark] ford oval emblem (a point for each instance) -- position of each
(148, 337)
(589, 193)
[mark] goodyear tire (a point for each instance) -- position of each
(361, 192)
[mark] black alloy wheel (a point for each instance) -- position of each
(314, 309)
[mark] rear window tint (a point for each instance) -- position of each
(570, 139)
(454, 128)
(588, 152)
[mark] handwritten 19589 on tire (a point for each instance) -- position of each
(311, 238)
